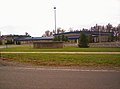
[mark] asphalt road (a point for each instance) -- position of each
(14, 77)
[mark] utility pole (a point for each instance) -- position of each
(55, 18)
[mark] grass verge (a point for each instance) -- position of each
(65, 49)
(66, 59)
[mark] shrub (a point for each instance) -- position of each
(83, 40)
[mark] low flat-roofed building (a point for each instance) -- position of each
(10, 39)
(96, 36)
(73, 37)
(29, 40)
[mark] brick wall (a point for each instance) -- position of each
(48, 44)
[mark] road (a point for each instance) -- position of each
(18, 77)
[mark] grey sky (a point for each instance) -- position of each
(36, 16)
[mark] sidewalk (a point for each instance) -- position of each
(64, 52)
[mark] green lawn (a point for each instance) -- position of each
(67, 59)
(65, 49)
(64, 59)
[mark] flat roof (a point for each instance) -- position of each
(34, 38)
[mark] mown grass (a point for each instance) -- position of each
(65, 49)
(67, 59)
(64, 59)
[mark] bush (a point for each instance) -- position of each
(83, 40)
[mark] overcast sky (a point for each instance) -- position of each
(37, 16)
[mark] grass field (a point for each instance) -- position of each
(65, 49)
(64, 59)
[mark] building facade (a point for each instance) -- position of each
(93, 37)
(11, 39)
(73, 37)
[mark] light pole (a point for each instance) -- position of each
(55, 17)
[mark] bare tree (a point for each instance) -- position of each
(47, 33)
(51, 33)
(58, 30)
(62, 30)
(109, 27)
(70, 29)
(118, 32)
(26, 33)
